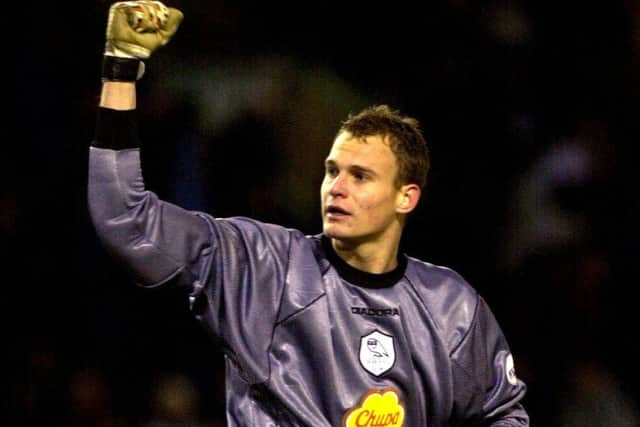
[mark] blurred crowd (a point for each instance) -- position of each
(531, 112)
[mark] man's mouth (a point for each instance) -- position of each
(336, 212)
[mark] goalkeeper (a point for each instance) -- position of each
(341, 328)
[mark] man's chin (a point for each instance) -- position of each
(336, 233)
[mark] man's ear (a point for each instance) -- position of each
(408, 198)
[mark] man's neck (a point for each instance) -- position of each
(371, 257)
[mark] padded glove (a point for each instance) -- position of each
(136, 29)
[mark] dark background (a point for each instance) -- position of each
(531, 113)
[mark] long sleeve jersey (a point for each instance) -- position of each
(308, 339)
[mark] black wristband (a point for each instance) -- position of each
(116, 130)
(118, 69)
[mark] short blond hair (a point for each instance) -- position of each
(405, 139)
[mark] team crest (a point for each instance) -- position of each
(377, 352)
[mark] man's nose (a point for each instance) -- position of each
(339, 185)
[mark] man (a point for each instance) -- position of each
(336, 329)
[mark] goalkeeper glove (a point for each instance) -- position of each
(135, 29)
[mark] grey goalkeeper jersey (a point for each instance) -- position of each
(309, 340)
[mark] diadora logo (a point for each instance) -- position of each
(377, 352)
(378, 408)
(380, 312)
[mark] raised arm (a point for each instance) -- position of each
(154, 239)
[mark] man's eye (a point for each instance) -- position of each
(360, 176)
(331, 171)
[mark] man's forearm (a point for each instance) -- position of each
(118, 95)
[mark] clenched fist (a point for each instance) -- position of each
(135, 29)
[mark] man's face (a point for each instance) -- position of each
(359, 197)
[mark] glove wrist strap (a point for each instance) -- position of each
(118, 69)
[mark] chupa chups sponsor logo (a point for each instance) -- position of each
(378, 408)
(380, 312)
